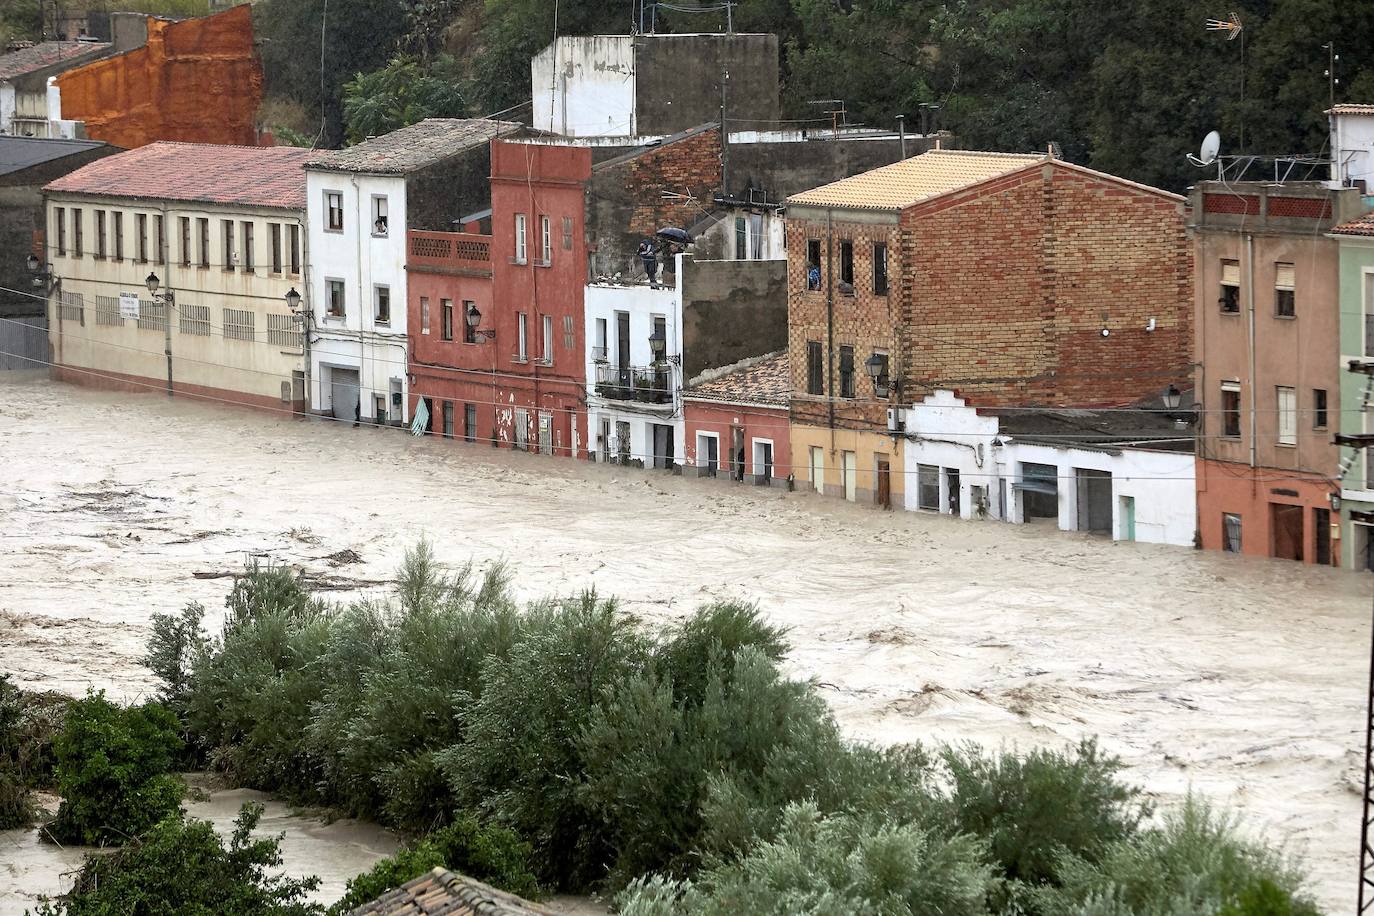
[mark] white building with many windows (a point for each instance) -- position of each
(359, 203)
(168, 268)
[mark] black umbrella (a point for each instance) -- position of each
(677, 236)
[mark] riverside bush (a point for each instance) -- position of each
(113, 771)
(182, 867)
(29, 725)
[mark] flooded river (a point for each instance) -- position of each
(1237, 678)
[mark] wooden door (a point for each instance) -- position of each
(884, 484)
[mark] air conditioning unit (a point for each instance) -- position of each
(896, 419)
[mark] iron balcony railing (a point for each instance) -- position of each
(646, 384)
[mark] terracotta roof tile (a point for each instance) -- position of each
(1348, 108)
(757, 381)
(440, 892)
(901, 184)
(255, 176)
(1360, 225)
(431, 140)
(45, 54)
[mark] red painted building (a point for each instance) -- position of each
(737, 422)
(518, 378)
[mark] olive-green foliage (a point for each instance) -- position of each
(402, 93)
(113, 771)
(491, 854)
(1036, 807)
(1195, 862)
(520, 763)
(183, 868)
(835, 866)
(173, 650)
(16, 810)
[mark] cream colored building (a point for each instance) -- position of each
(222, 230)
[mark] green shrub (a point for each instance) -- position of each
(519, 763)
(113, 771)
(837, 866)
(16, 809)
(719, 629)
(174, 649)
(182, 868)
(1037, 807)
(491, 854)
(1196, 861)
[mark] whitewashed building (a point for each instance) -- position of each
(359, 203)
(30, 103)
(1128, 474)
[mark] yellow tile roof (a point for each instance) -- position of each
(935, 172)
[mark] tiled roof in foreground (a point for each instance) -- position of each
(431, 140)
(440, 892)
(756, 381)
(901, 184)
(255, 176)
(1360, 225)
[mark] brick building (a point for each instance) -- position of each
(1013, 279)
(737, 424)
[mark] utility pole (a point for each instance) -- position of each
(724, 136)
(901, 133)
(1331, 79)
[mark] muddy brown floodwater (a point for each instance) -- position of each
(1240, 679)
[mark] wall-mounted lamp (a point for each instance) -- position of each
(474, 318)
(876, 366)
(43, 277)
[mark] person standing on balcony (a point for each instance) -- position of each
(649, 255)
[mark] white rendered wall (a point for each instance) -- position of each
(1352, 148)
(592, 92)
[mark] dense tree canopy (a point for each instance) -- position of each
(1127, 89)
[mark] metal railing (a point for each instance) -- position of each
(646, 384)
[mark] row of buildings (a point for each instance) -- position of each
(859, 313)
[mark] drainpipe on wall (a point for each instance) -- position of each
(830, 320)
(1250, 294)
(364, 300)
(307, 311)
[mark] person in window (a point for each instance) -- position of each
(649, 255)
(379, 227)
(813, 276)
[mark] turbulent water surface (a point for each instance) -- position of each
(1237, 678)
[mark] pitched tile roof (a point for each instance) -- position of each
(254, 176)
(1348, 108)
(45, 54)
(431, 140)
(762, 380)
(440, 892)
(901, 184)
(1360, 225)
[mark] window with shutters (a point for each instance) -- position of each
(77, 229)
(1230, 409)
(283, 331)
(141, 231)
(1287, 401)
(118, 217)
(522, 337)
(1284, 305)
(227, 238)
(548, 340)
(545, 242)
(238, 324)
(815, 368)
(846, 372)
(569, 338)
(274, 242)
(295, 234)
(194, 320)
(100, 233)
(203, 227)
(1319, 408)
(107, 311)
(160, 240)
(185, 241)
(249, 262)
(567, 233)
(60, 220)
(424, 314)
(521, 238)
(1230, 288)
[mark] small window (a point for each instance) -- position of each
(928, 487)
(185, 241)
(100, 249)
(1230, 409)
(60, 220)
(227, 238)
(77, 230)
(446, 319)
(545, 241)
(469, 332)
(520, 238)
(1319, 408)
(424, 314)
(274, 240)
(1230, 532)
(847, 267)
(548, 340)
(599, 352)
(1230, 287)
(381, 304)
(522, 341)
(141, 236)
(469, 422)
(118, 235)
(815, 368)
(567, 233)
(160, 239)
(379, 216)
(813, 263)
(1284, 304)
(249, 262)
(879, 269)
(295, 233)
(846, 372)
(336, 298)
(203, 227)
(1287, 402)
(333, 205)
(741, 238)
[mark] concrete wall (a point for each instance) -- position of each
(678, 80)
(197, 80)
(1352, 148)
(731, 310)
(362, 261)
(868, 449)
(790, 163)
(95, 345)
(585, 86)
(23, 343)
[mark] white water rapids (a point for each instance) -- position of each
(1240, 679)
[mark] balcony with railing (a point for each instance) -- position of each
(645, 384)
(464, 253)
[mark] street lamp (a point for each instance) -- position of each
(876, 366)
(293, 300)
(658, 343)
(152, 283)
(42, 274)
(1172, 397)
(474, 318)
(167, 300)
(33, 263)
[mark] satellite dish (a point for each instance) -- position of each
(1211, 145)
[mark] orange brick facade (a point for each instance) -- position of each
(198, 81)
(1002, 292)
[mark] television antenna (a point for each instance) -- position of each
(1233, 29)
(1230, 25)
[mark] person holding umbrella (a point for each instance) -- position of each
(648, 253)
